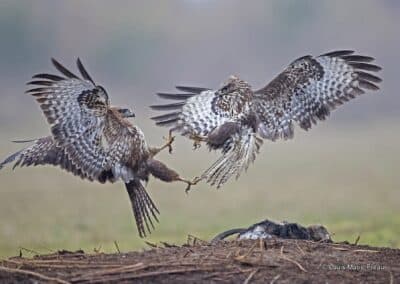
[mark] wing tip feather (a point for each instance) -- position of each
(63, 69)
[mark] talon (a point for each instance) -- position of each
(187, 189)
(190, 183)
(169, 140)
(196, 144)
(197, 139)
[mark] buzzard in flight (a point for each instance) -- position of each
(235, 117)
(94, 140)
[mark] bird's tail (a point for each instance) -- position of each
(143, 207)
(238, 153)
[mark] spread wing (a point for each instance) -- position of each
(95, 138)
(43, 151)
(195, 114)
(309, 89)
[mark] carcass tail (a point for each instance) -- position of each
(224, 235)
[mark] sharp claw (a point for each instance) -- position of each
(197, 141)
(196, 145)
(196, 180)
(190, 183)
(170, 139)
(187, 189)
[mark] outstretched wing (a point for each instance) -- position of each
(43, 151)
(309, 89)
(78, 113)
(195, 114)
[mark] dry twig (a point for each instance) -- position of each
(127, 276)
(292, 261)
(151, 244)
(300, 249)
(117, 270)
(251, 275)
(357, 239)
(241, 257)
(117, 246)
(28, 250)
(33, 274)
(365, 250)
(275, 279)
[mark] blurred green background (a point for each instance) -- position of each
(344, 173)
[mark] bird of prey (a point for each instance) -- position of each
(93, 140)
(235, 118)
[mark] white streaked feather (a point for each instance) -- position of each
(198, 112)
(241, 152)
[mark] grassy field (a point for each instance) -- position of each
(345, 178)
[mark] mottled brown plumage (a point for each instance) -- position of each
(93, 140)
(234, 118)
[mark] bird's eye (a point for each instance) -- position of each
(224, 90)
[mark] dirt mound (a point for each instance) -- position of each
(269, 261)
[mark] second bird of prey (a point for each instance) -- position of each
(96, 141)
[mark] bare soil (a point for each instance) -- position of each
(270, 261)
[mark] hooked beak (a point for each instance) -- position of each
(127, 113)
(130, 114)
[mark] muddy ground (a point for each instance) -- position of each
(272, 261)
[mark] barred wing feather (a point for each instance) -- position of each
(309, 89)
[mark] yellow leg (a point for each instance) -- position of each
(169, 140)
(190, 182)
(168, 144)
(197, 139)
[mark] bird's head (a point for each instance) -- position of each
(233, 86)
(319, 233)
(125, 112)
(101, 96)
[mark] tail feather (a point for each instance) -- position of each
(238, 154)
(143, 207)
